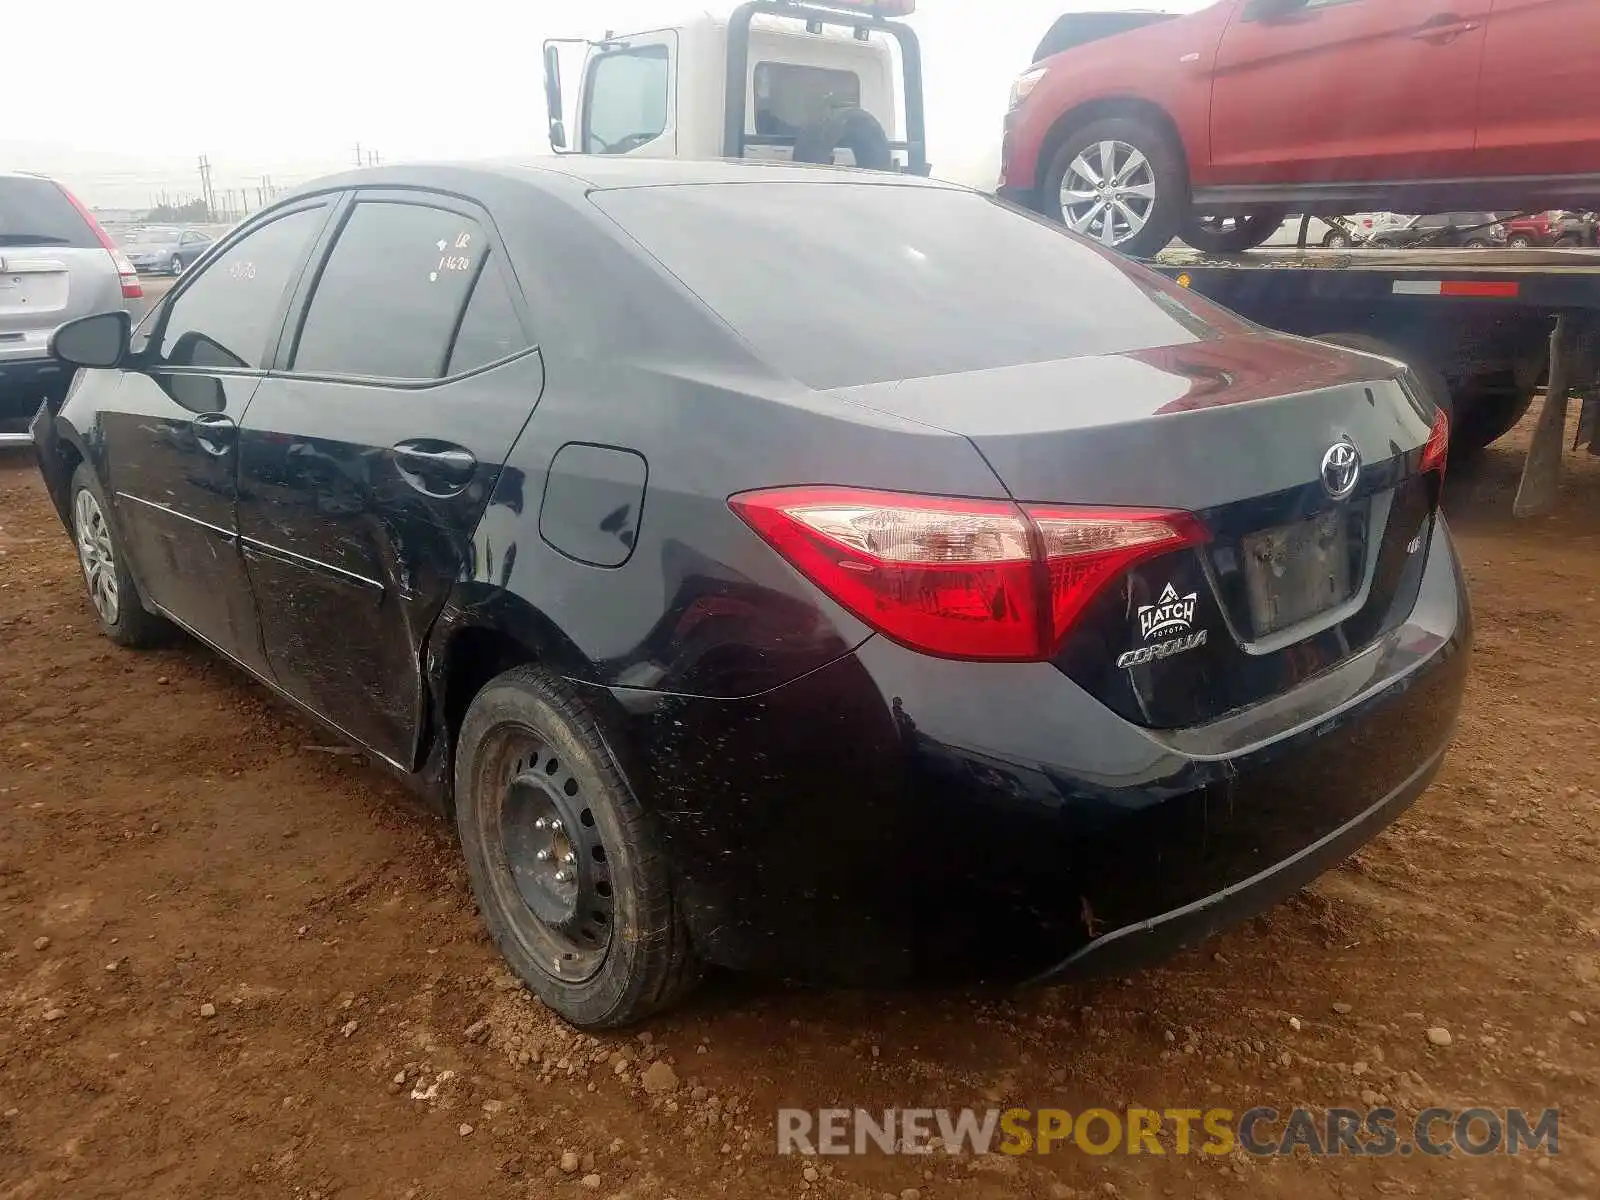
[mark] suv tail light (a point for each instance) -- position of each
(968, 579)
(132, 289)
(1437, 449)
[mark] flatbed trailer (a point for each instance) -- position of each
(1486, 330)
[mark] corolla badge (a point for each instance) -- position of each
(1341, 468)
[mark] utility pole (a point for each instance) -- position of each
(358, 155)
(205, 186)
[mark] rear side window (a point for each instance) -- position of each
(625, 104)
(489, 329)
(227, 316)
(790, 97)
(392, 293)
(35, 212)
(838, 284)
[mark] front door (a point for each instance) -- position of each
(171, 429)
(1540, 111)
(367, 461)
(1347, 90)
(629, 98)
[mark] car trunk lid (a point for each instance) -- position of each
(1302, 462)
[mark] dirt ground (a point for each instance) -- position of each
(234, 964)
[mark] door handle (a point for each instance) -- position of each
(439, 463)
(216, 432)
(1446, 28)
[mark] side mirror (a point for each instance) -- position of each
(552, 96)
(98, 341)
(1272, 10)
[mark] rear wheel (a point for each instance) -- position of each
(1477, 244)
(1520, 242)
(1232, 234)
(176, 265)
(118, 607)
(564, 861)
(1336, 240)
(1119, 181)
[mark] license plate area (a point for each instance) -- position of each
(1296, 572)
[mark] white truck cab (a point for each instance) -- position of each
(775, 79)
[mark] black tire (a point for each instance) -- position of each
(1167, 170)
(1477, 244)
(1247, 232)
(528, 726)
(1432, 379)
(130, 623)
(1485, 419)
(176, 266)
(1336, 240)
(852, 129)
(1520, 241)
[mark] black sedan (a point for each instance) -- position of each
(836, 574)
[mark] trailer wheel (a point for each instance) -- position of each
(1432, 379)
(853, 129)
(1486, 417)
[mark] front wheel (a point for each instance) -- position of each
(1521, 242)
(118, 607)
(1336, 240)
(176, 265)
(1212, 234)
(1119, 181)
(565, 862)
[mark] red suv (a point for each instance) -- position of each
(1213, 127)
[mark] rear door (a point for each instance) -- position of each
(368, 458)
(1347, 90)
(170, 431)
(1541, 90)
(53, 267)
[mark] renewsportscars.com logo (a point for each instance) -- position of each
(1265, 1132)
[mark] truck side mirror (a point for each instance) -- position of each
(552, 96)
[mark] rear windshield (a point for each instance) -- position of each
(35, 212)
(838, 284)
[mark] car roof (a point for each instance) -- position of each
(591, 172)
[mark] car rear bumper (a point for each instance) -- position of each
(891, 816)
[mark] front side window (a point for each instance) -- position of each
(790, 97)
(226, 317)
(392, 293)
(625, 104)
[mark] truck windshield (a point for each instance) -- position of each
(625, 104)
(839, 284)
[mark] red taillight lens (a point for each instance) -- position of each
(967, 579)
(132, 289)
(1437, 449)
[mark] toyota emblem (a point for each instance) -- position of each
(1341, 468)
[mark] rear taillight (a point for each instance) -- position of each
(1437, 448)
(966, 579)
(129, 277)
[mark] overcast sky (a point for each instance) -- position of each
(136, 93)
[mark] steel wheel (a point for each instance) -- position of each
(1109, 192)
(552, 860)
(96, 555)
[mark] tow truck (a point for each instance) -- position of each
(814, 81)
